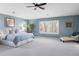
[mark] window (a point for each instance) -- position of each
(49, 26)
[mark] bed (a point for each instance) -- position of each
(17, 39)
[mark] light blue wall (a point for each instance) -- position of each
(36, 30)
(77, 25)
(2, 22)
(18, 21)
(62, 29)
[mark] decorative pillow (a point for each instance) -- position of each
(10, 37)
(10, 31)
(16, 31)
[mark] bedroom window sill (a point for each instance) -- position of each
(47, 33)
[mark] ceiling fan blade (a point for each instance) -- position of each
(34, 3)
(30, 6)
(41, 4)
(41, 8)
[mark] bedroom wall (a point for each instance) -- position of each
(18, 21)
(62, 29)
(77, 25)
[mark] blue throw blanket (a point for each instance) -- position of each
(22, 36)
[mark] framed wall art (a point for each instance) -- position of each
(68, 24)
(10, 22)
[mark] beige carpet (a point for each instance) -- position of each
(42, 46)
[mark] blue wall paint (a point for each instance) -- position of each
(2, 22)
(77, 25)
(36, 30)
(62, 29)
(18, 21)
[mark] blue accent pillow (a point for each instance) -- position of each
(75, 33)
(10, 37)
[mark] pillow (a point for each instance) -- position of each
(75, 33)
(10, 31)
(16, 31)
(10, 37)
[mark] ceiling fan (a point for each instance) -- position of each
(38, 5)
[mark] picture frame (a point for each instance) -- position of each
(68, 24)
(9, 22)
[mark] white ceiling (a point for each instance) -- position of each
(51, 10)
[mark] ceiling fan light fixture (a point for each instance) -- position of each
(13, 12)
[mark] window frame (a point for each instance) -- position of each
(49, 32)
